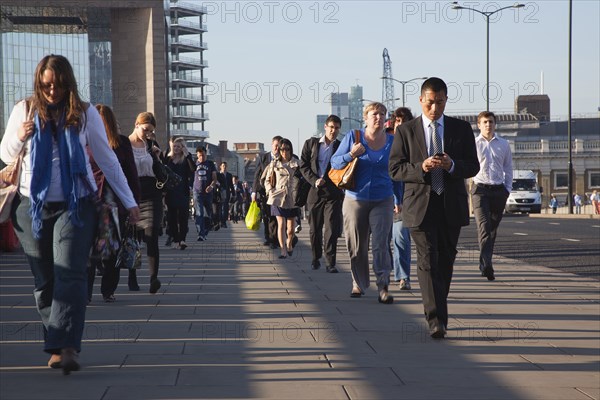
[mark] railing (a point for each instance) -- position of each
(182, 77)
(191, 43)
(528, 147)
(189, 24)
(195, 97)
(545, 146)
(190, 114)
(189, 6)
(190, 60)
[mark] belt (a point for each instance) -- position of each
(483, 185)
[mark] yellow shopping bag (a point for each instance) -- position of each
(253, 217)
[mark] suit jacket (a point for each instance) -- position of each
(406, 158)
(263, 162)
(309, 167)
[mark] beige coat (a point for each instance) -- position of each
(286, 183)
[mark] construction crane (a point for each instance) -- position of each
(387, 89)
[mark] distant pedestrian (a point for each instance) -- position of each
(491, 187)
(595, 199)
(205, 180)
(578, 201)
(400, 233)
(553, 204)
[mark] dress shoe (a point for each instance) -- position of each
(356, 292)
(316, 264)
(331, 269)
(110, 298)
(182, 245)
(69, 360)
(282, 257)
(489, 274)
(154, 286)
(405, 284)
(384, 296)
(438, 332)
(55, 361)
(132, 282)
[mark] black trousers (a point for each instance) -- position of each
(488, 206)
(177, 219)
(269, 222)
(325, 213)
(436, 243)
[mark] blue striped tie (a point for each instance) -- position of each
(437, 175)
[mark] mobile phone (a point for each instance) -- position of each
(440, 155)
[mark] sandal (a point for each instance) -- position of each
(356, 292)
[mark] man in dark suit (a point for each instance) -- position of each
(434, 154)
(324, 198)
(269, 221)
(226, 186)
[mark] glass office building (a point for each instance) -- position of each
(133, 55)
(27, 34)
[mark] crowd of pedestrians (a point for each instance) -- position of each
(409, 183)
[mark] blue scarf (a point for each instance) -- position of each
(72, 169)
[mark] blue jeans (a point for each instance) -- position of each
(58, 261)
(401, 244)
(203, 209)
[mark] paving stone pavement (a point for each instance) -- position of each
(231, 321)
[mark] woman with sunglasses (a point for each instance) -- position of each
(281, 181)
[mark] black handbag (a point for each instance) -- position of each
(129, 255)
(165, 177)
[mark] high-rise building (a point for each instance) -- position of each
(355, 119)
(133, 55)
(186, 57)
(321, 118)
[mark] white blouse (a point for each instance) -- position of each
(93, 135)
(143, 161)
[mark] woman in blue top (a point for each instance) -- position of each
(369, 207)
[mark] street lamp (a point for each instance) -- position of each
(487, 15)
(360, 122)
(403, 83)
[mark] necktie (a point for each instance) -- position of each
(437, 175)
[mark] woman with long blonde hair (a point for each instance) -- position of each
(177, 199)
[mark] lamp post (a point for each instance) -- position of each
(403, 83)
(487, 15)
(360, 122)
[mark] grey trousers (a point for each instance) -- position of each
(488, 206)
(362, 218)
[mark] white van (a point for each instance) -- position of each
(526, 196)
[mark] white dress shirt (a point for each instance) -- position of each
(495, 161)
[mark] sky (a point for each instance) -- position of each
(273, 64)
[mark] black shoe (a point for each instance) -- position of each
(201, 238)
(384, 296)
(272, 246)
(438, 332)
(294, 241)
(154, 286)
(169, 241)
(266, 243)
(282, 257)
(331, 269)
(489, 274)
(132, 283)
(316, 264)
